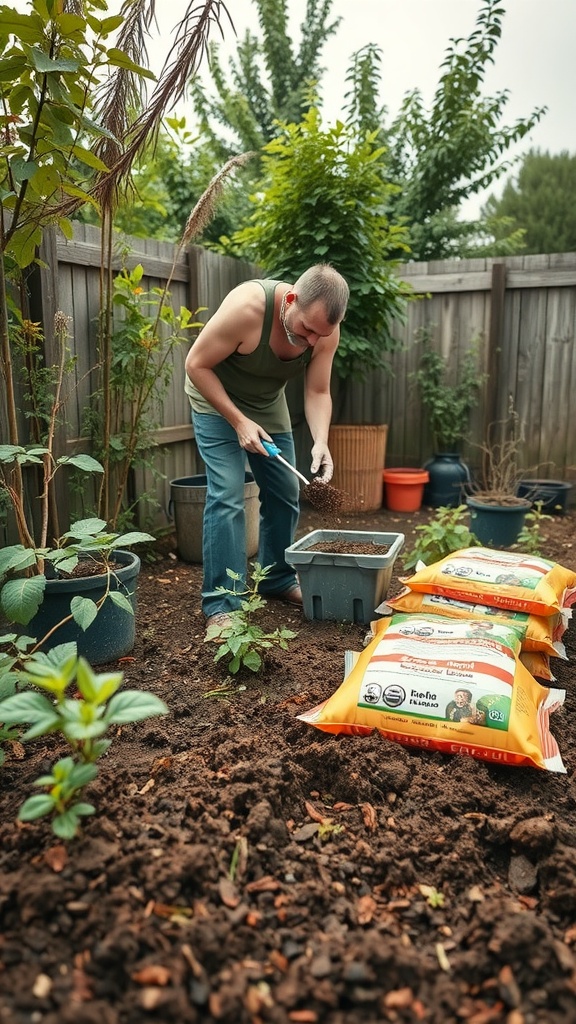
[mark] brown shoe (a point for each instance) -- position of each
(221, 620)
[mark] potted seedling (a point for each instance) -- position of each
(497, 514)
(448, 401)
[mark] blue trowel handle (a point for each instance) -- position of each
(274, 451)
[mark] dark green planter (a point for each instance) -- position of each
(497, 526)
(448, 478)
(113, 632)
(553, 494)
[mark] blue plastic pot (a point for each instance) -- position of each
(497, 526)
(113, 632)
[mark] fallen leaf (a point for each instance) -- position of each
(228, 893)
(313, 813)
(265, 884)
(369, 816)
(17, 749)
(303, 1016)
(56, 858)
(341, 806)
(153, 974)
(145, 789)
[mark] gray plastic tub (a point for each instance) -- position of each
(343, 587)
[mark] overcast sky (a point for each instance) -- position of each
(535, 58)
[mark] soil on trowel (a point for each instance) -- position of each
(243, 867)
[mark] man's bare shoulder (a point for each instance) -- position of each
(249, 296)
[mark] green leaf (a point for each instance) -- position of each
(35, 807)
(84, 462)
(86, 156)
(66, 825)
(133, 706)
(120, 59)
(252, 660)
(27, 707)
(121, 601)
(84, 611)
(21, 599)
(46, 65)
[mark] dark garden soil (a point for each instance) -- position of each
(244, 867)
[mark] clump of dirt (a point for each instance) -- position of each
(323, 497)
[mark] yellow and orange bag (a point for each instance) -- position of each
(537, 632)
(431, 682)
(504, 579)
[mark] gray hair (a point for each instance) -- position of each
(322, 283)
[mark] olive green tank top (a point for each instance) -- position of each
(256, 383)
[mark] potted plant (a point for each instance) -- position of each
(497, 514)
(448, 404)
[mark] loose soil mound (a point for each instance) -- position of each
(246, 868)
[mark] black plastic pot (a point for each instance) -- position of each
(497, 526)
(113, 632)
(552, 493)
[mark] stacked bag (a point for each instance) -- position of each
(461, 662)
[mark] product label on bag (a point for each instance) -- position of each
(455, 670)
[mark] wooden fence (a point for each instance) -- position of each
(521, 311)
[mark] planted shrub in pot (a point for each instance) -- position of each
(497, 514)
(448, 404)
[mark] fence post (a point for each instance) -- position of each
(495, 331)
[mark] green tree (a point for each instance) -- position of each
(540, 202)
(269, 81)
(323, 198)
(442, 156)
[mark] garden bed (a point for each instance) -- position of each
(244, 867)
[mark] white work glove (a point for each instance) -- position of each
(322, 465)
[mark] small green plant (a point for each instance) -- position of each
(82, 720)
(445, 533)
(529, 539)
(242, 640)
(448, 405)
(138, 350)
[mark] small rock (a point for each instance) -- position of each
(522, 874)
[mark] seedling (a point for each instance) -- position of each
(529, 539)
(441, 536)
(241, 641)
(83, 721)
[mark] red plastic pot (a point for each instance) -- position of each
(404, 488)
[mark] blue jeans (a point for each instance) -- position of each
(224, 530)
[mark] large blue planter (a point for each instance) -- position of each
(497, 526)
(113, 632)
(448, 478)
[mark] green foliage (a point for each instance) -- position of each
(268, 81)
(442, 156)
(82, 720)
(538, 201)
(242, 641)
(445, 533)
(530, 539)
(48, 64)
(127, 409)
(323, 199)
(448, 405)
